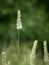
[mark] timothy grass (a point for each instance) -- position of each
(25, 51)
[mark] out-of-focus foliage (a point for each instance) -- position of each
(24, 58)
(35, 19)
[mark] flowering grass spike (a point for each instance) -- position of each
(46, 58)
(4, 58)
(33, 53)
(18, 27)
(19, 23)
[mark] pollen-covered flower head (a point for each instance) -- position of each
(19, 23)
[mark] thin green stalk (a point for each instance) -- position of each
(18, 42)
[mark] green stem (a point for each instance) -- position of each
(18, 42)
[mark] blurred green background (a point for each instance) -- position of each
(35, 19)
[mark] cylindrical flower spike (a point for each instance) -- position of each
(19, 23)
(46, 58)
(4, 58)
(33, 53)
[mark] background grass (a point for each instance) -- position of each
(24, 57)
